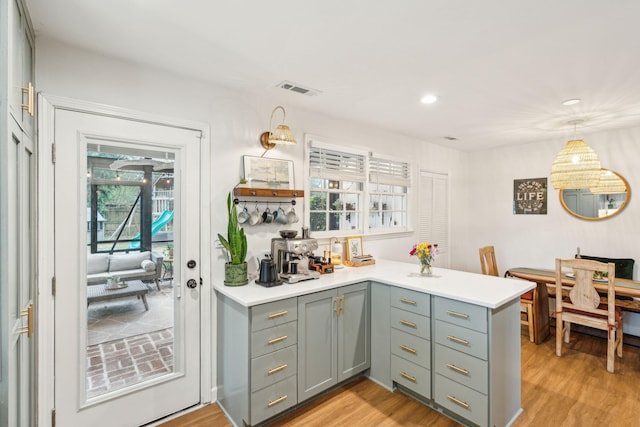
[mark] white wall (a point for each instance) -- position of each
(536, 240)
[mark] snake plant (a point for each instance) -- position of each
(236, 241)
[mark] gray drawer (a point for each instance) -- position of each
(467, 370)
(461, 339)
(274, 313)
(412, 323)
(272, 339)
(409, 300)
(411, 376)
(273, 367)
(462, 400)
(411, 348)
(273, 399)
(461, 313)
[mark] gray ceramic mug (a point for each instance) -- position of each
(280, 216)
(244, 215)
(267, 216)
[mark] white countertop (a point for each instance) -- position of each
(487, 291)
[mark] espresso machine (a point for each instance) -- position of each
(291, 256)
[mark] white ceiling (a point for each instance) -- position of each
(501, 68)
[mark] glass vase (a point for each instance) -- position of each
(425, 269)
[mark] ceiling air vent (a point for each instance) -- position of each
(293, 87)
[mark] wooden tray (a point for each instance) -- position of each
(359, 264)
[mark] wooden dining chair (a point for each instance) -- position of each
(490, 267)
(583, 305)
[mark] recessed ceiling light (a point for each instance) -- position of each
(429, 99)
(571, 101)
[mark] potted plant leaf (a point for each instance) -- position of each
(235, 244)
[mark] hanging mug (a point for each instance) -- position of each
(280, 216)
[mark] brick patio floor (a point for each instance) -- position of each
(120, 363)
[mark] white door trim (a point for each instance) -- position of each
(47, 104)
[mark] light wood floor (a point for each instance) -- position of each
(572, 390)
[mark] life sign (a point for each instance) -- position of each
(530, 196)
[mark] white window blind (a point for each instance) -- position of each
(334, 164)
(392, 172)
(433, 220)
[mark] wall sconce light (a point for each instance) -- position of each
(335, 252)
(281, 135)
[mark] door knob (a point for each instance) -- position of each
(192, 283)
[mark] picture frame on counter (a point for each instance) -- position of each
(354, 247)
(263, 172)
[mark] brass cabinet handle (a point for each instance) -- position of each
(407, 348)
(456, 339)
(275, 340)
(278, 314)
(407, 323)
(409, 377)
(29, 105)
(28, 312)
(336, 308)
(342, 304)
(407, 301)
(278, 400)
(457, 369)
(278, 369)
(455, 313)
(458, 402)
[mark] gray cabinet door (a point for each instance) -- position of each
(317, 343)
(354, 333)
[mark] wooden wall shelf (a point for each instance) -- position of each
(266, 192)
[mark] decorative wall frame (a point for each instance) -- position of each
(263, 172)
(530, 196)
(354, 247)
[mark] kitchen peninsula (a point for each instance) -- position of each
(451, 340)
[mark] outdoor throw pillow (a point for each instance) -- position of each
(148, 265)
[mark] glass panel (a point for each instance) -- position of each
(318, 221)
(130, 304)
(318, 201)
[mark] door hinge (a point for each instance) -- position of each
(53, 286)
(201, 281)
(53, 153)
(53, 418)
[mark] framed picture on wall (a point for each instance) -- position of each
(530, 196)
(262, 172)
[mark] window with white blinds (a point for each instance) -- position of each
(389, 182)
(355, 192)
(433, 218)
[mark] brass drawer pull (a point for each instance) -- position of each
(407, 301)
(458, 402)
(278, 314)
(407, 323)
(456, 339)
(278, 400)
(455, 313)
(275, 340)
(409, 377)
(409, 349)
(457, 369)
(278, 369)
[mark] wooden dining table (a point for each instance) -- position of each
(543, 278)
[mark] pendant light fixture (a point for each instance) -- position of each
(610, 183)
(575, 166)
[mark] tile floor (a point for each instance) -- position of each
(127, 344)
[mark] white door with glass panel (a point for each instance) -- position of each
(127, 268)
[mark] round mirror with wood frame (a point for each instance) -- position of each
(597, 205)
